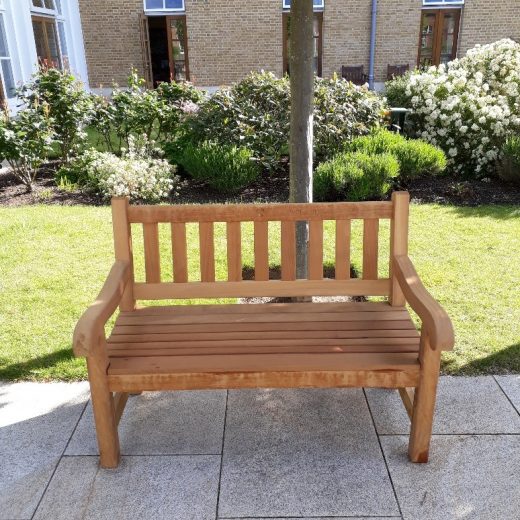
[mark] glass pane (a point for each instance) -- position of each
(154, 4)
(4, 49)
(38, 3)
(427, 39)
(54, 50)
(49, 4)
(39, 40)
(449, 27)
(7, 73)
(58, 6)
(178, 29)
(318, 4)
(63, 45)
(174, 4)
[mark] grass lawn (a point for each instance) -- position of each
(54, 259)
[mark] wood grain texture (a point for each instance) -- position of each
(234, 251)
(398, 241)
(288, 252)
(370, 248)
(316, 250)
(152, 262)
(207, 251)
(179, 252)
(261, 246)
(342, 261)
(407, 397)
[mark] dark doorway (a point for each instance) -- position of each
(159, 49)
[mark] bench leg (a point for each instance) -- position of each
(104, 415)
(424, 404)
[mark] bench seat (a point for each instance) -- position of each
(314, 344)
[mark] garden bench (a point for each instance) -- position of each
(283, 345)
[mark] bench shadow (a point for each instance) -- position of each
(506, 361)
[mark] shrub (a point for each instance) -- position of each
(415, 157)
(226, 168)
(136, 174)
(510, 166)
(470, 106)
(255, 113)
(355, 176)
(25, 141)
(395, 91)
(69, 106)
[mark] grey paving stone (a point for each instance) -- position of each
(302, 453)
(465, 405)
(152, 487)
(154, 423)
(468, 477)
(324, 518)
(36, 422)
(511, 386)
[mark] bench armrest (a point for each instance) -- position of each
(436, 322)
(90, 327)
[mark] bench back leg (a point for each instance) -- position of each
(104, 412)
(424, 403)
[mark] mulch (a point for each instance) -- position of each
(269, 188)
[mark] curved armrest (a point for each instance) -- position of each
(90, 326)
(435, 320)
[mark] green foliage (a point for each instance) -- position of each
(26, 140)
(509, 168)
(395, 91)
(69, 106)
(355, 176)
(226, 168)
(415, 157)
(255, 113)
(342, 111)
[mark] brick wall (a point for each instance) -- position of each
(227, 40)
(112, 41)
(485, 22)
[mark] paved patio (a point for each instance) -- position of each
(262, 454)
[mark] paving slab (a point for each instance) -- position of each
(302, 453)
(465, 405)
(511, 386)
(162, 423)
(36, 422)
(467, 477)
(151, 487)
(322, 518)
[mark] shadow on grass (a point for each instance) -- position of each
(28, 369)
(494, 211)
(505, 361)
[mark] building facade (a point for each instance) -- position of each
(218, 42)
(34, 33)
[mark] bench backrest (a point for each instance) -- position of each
(149, 217)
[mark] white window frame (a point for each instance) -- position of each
(443, 3)
(181, 9)
(8, 58)
(317, 6)
(44, 10)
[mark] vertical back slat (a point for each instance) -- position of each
(288, 255)
(123, 246)
(342, 267)
(398, 240)
(207, 251)
(370, 248)
(152, 262)
(261, 231)
(234, 251)
(316, 250)
(179, 252)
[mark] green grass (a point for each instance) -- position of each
(53, 261)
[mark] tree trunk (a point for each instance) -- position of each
(301, 68)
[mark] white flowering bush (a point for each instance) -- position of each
(139, 173)
(469, 106)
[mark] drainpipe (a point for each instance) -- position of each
(372, 46)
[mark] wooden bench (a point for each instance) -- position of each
(351, 344)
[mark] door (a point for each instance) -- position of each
(178, 48)
(145, 49)
(438, 37)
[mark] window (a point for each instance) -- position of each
(442, 2)
(438, 36)
(318, 42)
(318, 4)
(46, 40)
(177, 48)
(7, 85)
(164, 5)
(45, 5)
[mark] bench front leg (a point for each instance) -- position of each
(424, 402)
(104, 410)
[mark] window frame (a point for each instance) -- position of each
(164, 10)
(442, 3)
(44, 10)
(5, 95)
(170, 49)
(49, 20)
(286, 5)
(437, 39)
(285, 57)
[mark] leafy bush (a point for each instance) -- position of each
(395, 91)
(25, 141)
(226, 168)
(69, 106)
(415, 157)
(355, 176)
(510, 166)
(138, 173)
(470, 106)
(255, 113)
